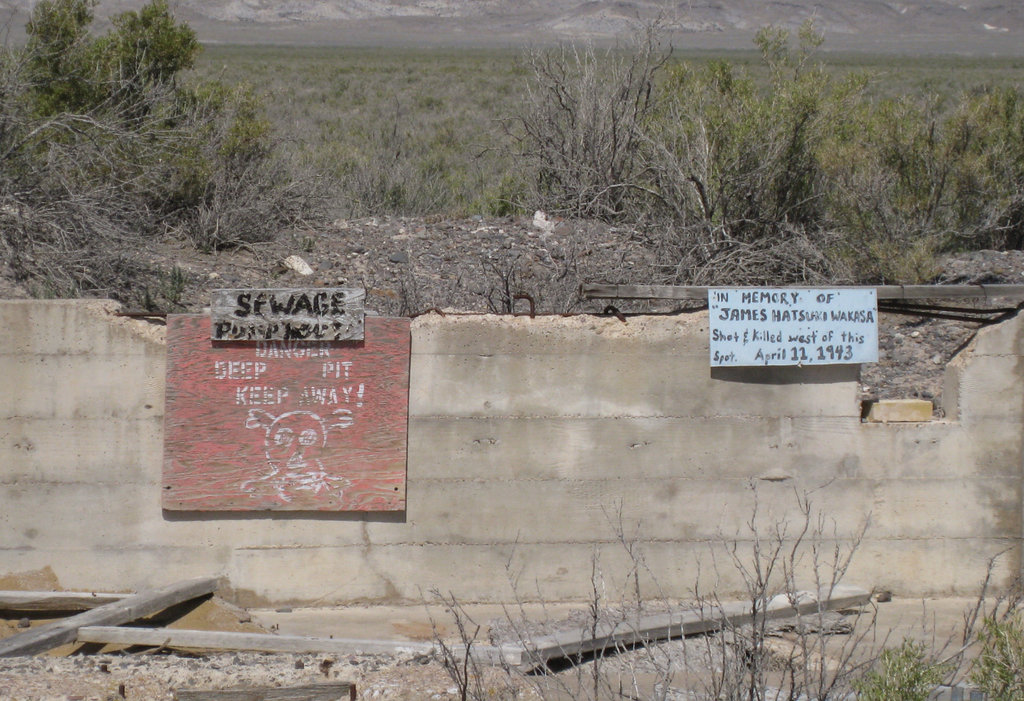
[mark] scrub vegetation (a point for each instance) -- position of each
(104, 145)
(783, 164)
(822, 655)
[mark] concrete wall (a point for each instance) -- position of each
(532, 445)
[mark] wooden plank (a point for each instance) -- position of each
(681, 292)
(678, 624)
(130, 608)
(313, 314)
(55, 600)
(600, 291)
(261, 642)
(326, 691)
(282, 425)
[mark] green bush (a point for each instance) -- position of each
(792, 175)
(999, 668)
(104, 143)
(903, 673)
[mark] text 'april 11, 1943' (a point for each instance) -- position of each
(750, 327)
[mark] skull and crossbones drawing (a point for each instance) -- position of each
(294, 443)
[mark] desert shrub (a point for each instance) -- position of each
(786, 174)
(736, 165)
(104, 145)
(999, 668)
(582, 123)
(903, 673)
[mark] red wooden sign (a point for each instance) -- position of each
(294, 425)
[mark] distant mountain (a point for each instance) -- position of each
(484, 21)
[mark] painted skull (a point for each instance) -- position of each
(295, 440)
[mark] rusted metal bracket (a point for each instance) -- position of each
(528, 298)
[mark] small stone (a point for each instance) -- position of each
(543, 222)
(299, 664)
(915, 334)
(399, 257)
(24, 623)
(937, 359)
(296, 264)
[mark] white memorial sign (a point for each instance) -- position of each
(800, 326)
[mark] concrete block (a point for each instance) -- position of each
(486, 573)
(684, 335)
(354, 574)
(73, 327)
(695, 510)
(589, 448)
(118, 569)
(58, 515)
(935, 449)
(127, 387)
(530, 572)
(899, 410)
(1006, 338)
(83, 449)
(622, 385)
(934, 566)
(815, 449)
(982, 388)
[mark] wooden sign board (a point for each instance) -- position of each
(315, 314)
(292, 425)
(794, 326)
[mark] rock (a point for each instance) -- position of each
(297, 265)
(399, 257)
(543, 222)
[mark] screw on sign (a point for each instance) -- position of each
(286, 425)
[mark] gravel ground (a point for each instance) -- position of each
(154, 677)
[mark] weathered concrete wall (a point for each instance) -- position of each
(532, 443)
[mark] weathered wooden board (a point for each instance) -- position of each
(55, 600)
(230, 640)
(664, 626)
(146, 603)
(314, 314)
(286, 425)
(263, 642)
(324, 691)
